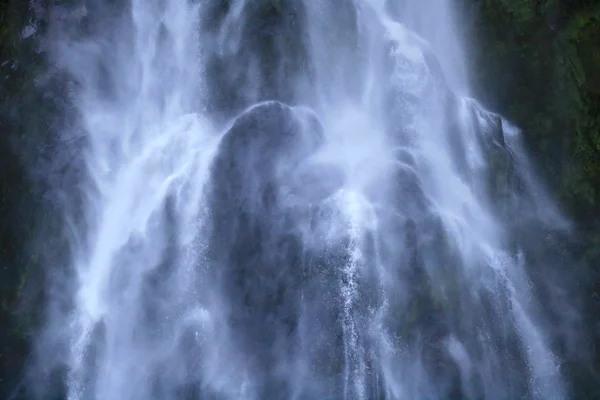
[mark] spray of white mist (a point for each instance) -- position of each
(293, 200)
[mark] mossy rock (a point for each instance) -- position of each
(536, 63)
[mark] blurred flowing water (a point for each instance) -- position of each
(297, 200)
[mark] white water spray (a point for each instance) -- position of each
(354, 243)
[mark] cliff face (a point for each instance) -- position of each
(13, 189)
(537, 62)
(30, 236)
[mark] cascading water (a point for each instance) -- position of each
(296, 200)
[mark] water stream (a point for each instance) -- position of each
(298, 200)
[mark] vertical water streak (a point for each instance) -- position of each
(296, 199)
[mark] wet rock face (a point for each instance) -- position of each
(265, 145)
(258, 53)
(256, 241)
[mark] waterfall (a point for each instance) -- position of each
(287, 199)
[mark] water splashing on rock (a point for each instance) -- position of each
(298, 200)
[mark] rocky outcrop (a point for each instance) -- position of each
(256, 243)
(536, 63)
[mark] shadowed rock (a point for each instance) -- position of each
(256, 56)
(256, 239)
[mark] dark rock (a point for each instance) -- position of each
(256, 56)
(265, 146)
(256, 240)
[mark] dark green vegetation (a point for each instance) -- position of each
(30, 234)
(537, 62)
(16, 224)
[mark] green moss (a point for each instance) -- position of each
(521, 11)
(537, 63)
